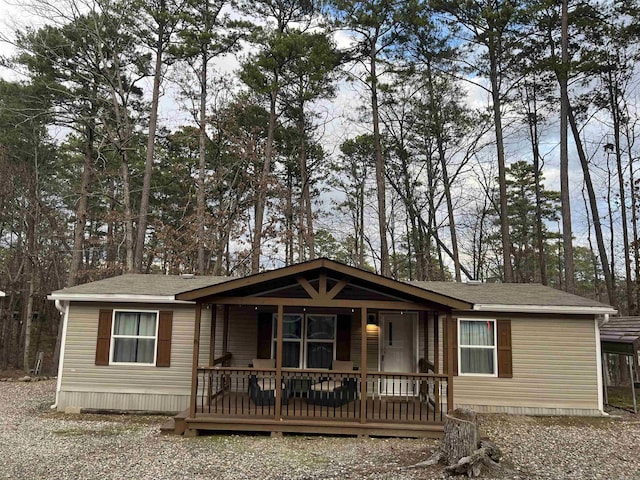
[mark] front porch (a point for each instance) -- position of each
(344, 355)
(413, 405)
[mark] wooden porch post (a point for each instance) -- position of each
(278, 406)
(436, 343)
(225, 331)
(436, 354)
(363, 365)
(194, 365)
(450, 354)
(212, 334)
(425, 331)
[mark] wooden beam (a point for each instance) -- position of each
(194, 364)
(436, 343)
(325, 427)
(450, 354)
(363, 365)
(304, 283)
(225, 331)
(321, 302)
(280, 326)
(424, 316)
(212, 334)
(322, 285)
(337, 288)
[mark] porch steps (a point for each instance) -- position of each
(176, 425)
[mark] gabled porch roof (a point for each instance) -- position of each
(320, 282)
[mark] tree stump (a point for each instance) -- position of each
(461, 435)
(462, 450)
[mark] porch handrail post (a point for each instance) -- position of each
(363, 365)
(450, 354)
(280, 325)
(194, 365)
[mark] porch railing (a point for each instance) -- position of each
(322, 395)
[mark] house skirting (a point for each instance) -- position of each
(69, 401)
(581, 412)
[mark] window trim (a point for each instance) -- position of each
(302, 341)
(332, 341)
(299, 341)
(494, 347)
(114, 336)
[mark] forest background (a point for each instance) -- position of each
(455, 140)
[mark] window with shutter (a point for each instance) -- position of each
(133, 337)
(482, 347)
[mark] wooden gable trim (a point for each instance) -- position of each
(400, 286)
(321, 302)
(322, 285)
(293, 270)
(304, 283)
(345, 270)
(337, 288)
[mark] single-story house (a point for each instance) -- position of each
(324, 347)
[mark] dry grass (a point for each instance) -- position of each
(621, 397)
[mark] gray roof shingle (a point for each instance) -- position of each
(508, 294)
(143, 284)
(513, 294)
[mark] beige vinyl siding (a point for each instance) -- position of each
(87, 385)
(243, 335)
(373, 333)
(554, 371)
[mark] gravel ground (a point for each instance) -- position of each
(38, 443)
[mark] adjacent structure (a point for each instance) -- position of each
(324, 347)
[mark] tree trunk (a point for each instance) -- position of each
(307, 213)
(148, 166)
(461, 435)
(81, 212)
(201, 164)
(593, 204)
(128, 215)
(461, 449)
(615, 116)
(535, 147)
(634, 215)
(263, 183)
(452, 222)
(567, 236)
(379, 164)
(504, 214)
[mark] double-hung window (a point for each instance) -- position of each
(308, 341)
(320, 341)
(134, 337)
(477, 352)
(291, 340)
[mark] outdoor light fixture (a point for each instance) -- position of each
(372, 319)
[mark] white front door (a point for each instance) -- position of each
(397, 351)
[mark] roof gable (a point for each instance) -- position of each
(357, 279)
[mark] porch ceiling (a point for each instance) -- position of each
(323, 280)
